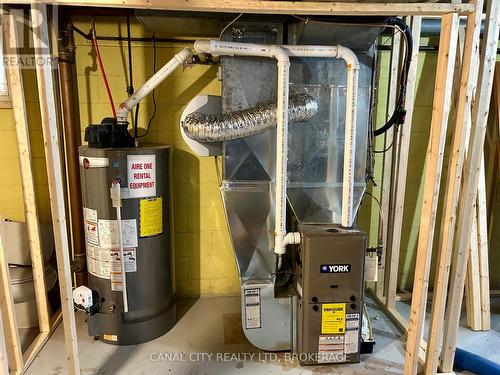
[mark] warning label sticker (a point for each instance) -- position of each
(252, 308)
(98, 261)
(141, 173)
(90, 214)
(150, 217)
(352, 333)
(91, 233)
(331, 349)
(332, 318)
(108, 233)
(130, 260)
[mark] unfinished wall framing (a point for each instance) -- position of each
(458, 203)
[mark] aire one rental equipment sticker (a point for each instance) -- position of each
(141, 176)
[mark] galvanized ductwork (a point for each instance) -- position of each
(230, 126)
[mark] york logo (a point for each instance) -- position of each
(335, 268)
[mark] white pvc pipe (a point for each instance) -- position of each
(115, 192)
(167, 69)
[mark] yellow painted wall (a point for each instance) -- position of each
(11, 196)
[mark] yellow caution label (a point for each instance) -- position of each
(332, 318)
(150, 217)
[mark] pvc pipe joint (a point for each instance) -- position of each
(124, 108)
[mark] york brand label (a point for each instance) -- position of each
(335, 268)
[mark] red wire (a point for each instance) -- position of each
(103, 73)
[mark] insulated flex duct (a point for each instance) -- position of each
(230, 126)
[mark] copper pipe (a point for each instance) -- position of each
(71, 121)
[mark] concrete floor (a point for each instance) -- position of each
(211, 325)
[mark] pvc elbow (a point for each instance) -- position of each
(280, 54)
(184, 55)
(122, 113)
(203, 46)
(281, 241)
(348, 56)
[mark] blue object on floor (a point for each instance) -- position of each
(465, 360)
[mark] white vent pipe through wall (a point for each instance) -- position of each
(281, 54)
(124, 108)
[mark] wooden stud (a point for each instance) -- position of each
(390, 140)
(435, 152)
(480, 110)
(494, 159)
(396, 225)
(28, 184)
(472, 280)
(455, 166)
(280, 7)
(14, 353)
(56, 183)
(4, 360)
(482, 231)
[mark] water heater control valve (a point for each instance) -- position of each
(82, 296)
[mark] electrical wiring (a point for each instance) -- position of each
(229, 24)
(399, 114)
(380, 215)
(101, 67)
(130, 88)
(384, 150)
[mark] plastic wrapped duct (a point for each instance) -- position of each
(229, 126)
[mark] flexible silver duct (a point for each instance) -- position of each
(229, 126)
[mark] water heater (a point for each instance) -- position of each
(140, 306)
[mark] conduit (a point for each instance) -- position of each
(204, 127)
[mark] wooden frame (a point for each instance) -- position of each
(435, 151)
(18, 361)
(414, 327)
(280, 7)
(467, 84)
(480, 109)
(47, 98)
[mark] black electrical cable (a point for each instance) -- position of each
(130, 88)
(399, 114)
(153, 93)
